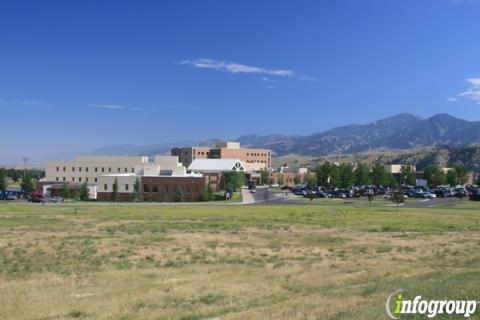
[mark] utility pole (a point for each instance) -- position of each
(25, 160)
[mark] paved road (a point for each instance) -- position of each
(432, 203)
(262, 195)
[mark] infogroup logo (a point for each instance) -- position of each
(397, 305)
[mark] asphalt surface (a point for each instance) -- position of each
(264, 195)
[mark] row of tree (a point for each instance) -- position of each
(27, 181)
(436, 176)
(346, 176)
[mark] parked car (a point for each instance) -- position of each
(337, 194)
(429, 195)
(11, 197)
(56, 199)
(275, 185)
(36, 200)
(321, 194)
(475, 195)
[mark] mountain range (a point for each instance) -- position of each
(402, 131)
(399, 132)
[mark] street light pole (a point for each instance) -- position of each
(25, 160)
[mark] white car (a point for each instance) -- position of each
(429, 195)
(275, 185)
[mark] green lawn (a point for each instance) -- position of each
(325, 260)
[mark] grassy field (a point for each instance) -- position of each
(328, 260)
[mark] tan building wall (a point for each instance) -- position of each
(254, 159)
(395, 168)
(288, 178)
(125, 183)
(90, 168)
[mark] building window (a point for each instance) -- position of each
(103, 169)
(126, 170)
(58, 168)
(109, 169)
(105, 186)
(155, 188)
(73, 178)
(73, 169)
(96, 169)
(64, 169)
(118, 169)
(96, 179)
(146, 188)
(63, 179)
(133, 170)
(86, 169)
(86, 179)
(57, 178)
(126, 187)
(79, 179)
(79, 169)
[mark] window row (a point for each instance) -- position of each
(257, 161)
(254, 154)
(97, 169)
(79, 179)
(126, 186)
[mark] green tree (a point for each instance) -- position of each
(407, 175)
(65, 191)
(434, 176)
(115, 190)
(265, 177)
(327, 174)
(3, 180)
(362, 175)
(379, 175)
(281, 180)
(207, 194)
(27, 183)
(84, 196)
(397, 197)
(310, 180)
(296, 179)
(137, 194)
(462, 173)
(390, 180)
(451, 177)
(178, 195)
(346, 176)
(235, 180)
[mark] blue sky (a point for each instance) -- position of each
(77, 75)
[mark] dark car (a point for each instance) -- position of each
(475, 196)
(36, 200)
(442, 193)
(321, 194)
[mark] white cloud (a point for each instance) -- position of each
(21, 102)
(452, 99)
(473, 92)
(233, 67)
(118, 107)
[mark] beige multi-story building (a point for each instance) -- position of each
(396, 168)
(253, 159)
(89, 168)
(159, 180)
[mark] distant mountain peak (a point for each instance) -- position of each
(401, 131)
